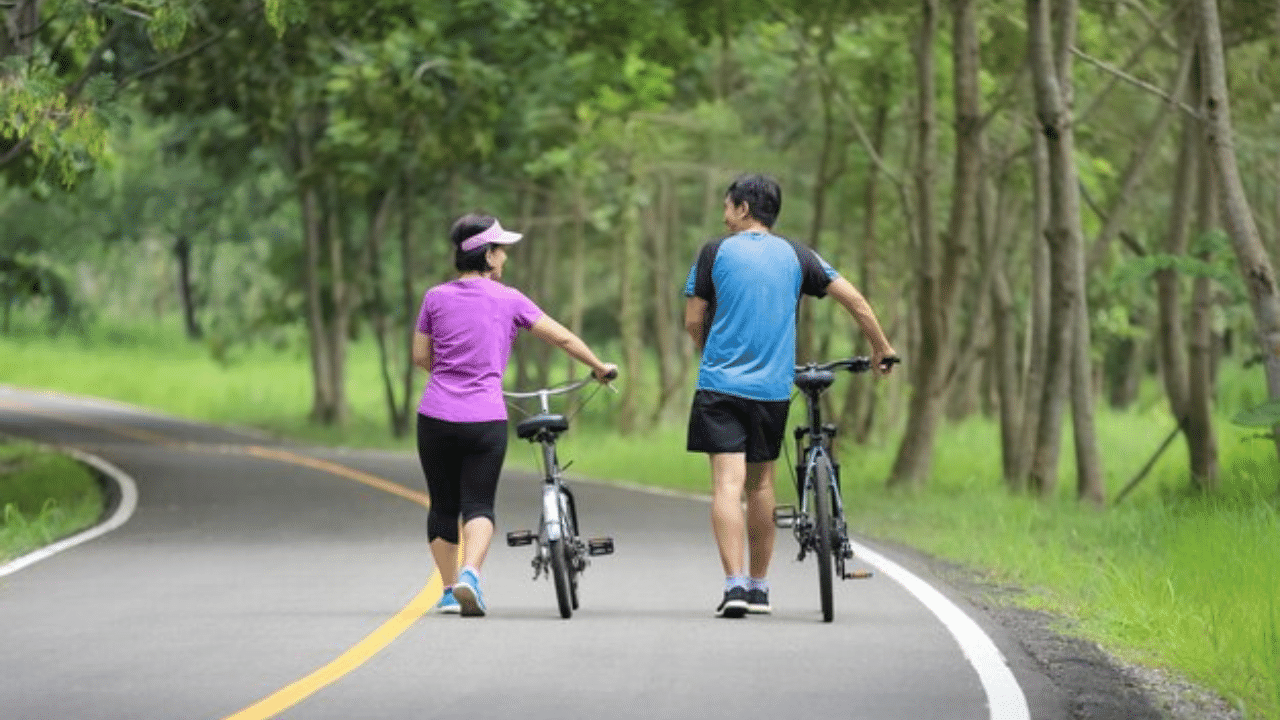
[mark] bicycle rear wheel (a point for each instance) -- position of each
(572, 548)
(821, 489)
(560, 574)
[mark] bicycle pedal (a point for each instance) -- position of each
(858, 575)
(784, 516)
(600, 546)
(516, 538)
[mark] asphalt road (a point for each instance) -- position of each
(255, 580)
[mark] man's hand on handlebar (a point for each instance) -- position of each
(884, 360)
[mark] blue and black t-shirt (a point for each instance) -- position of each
(753, 282)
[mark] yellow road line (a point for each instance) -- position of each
(358, 654)
(372, 644)
(365, 478)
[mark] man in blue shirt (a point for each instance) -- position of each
(742, 295)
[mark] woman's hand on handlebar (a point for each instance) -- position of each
(606, 373)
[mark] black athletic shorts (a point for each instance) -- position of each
(721, 423)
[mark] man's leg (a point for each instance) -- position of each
(760, 528)
(728, 478)
(729, 475)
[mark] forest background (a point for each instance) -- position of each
(1062, 212)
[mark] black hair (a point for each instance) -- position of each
(465, 227)
(761, 193)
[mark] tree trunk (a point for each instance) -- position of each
(966, 189)
(914, 460)
(341, 298)
(182, 249)
(1171, 337)
(830, 167)
(1202, 442)
(313, 231)
(630, 306)
(1005, 353)
(1255, 266)
(378, 210)
(577, 267)
(860, 398)
(1090, 484)
(410, 295)
(18, 31)
(667, 327)
(1053, 109)
(548, 252)
(1035, 366)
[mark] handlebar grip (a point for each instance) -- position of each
(611, 375)
(889, 361)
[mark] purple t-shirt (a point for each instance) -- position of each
(472, 324)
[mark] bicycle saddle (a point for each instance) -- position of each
(531, 426)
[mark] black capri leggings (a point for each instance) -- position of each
(462, 461)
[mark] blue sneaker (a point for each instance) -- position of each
(448, 604)
(467, 592)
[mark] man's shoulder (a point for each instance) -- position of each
(712, 245)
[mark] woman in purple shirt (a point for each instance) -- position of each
(464, 336)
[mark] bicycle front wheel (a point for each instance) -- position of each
(560, 574)
(821, 489)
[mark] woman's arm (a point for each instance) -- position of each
(423, 351)
(550, 331)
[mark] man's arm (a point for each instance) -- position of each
(695, 318)
(853, 301)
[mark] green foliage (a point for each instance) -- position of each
(1264, 416)
(1220, 267)
(282, 13)
(168, 25)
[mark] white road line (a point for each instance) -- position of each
(123, 511)
(1005, 700)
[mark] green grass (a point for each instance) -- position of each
(44, 496)
(1168, 578)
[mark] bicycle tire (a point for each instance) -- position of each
(572, 548)
(821, 489)
(560, 574)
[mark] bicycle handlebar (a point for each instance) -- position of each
(854, 364)
(561, 389)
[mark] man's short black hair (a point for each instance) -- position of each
(761, 193)
(464, 227)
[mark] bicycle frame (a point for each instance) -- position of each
(561, 553)
(552, 523)
(819, 524)
(820, 448)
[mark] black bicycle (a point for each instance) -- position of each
(818, 523)
(560, 553)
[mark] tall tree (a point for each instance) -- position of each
(1251, 256)
(928, 365)
(1052, 78)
